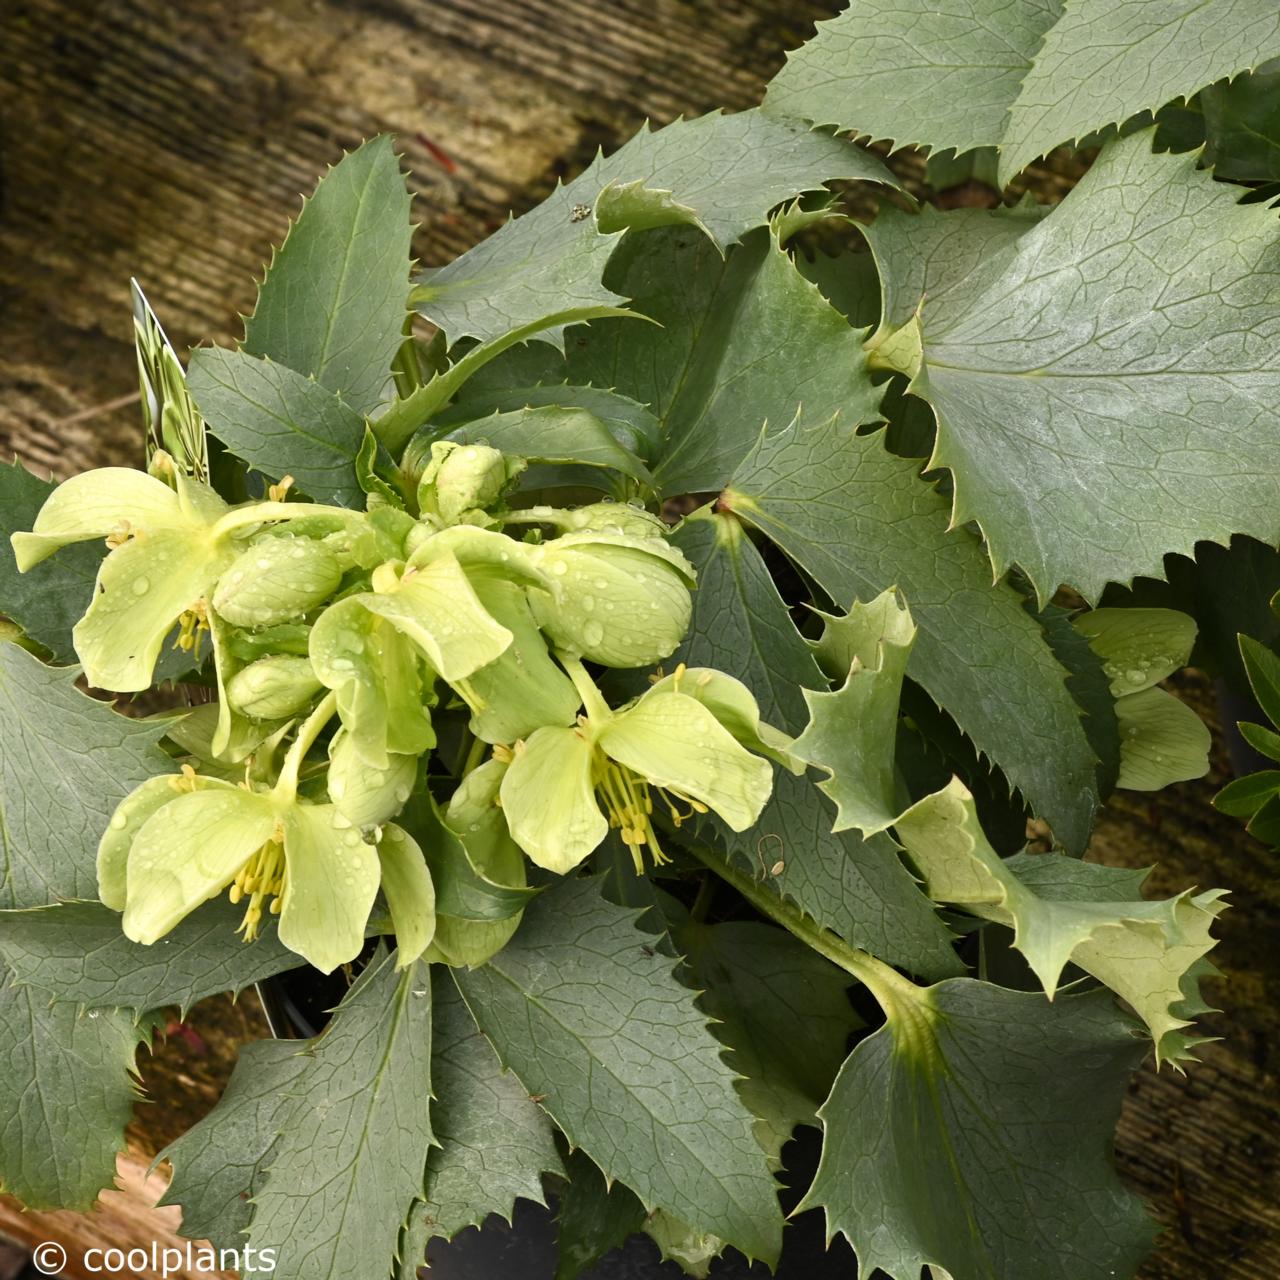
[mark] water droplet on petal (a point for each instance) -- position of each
(119, 821)
(141, 586)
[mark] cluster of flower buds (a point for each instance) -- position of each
(345, 644)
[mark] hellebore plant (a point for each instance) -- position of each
(595, 682)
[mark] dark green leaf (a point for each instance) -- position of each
(494, 1142)
(784, 1012)
(1265, 823)
(1242, 120)
(48, 600)
(218, 1164)
(76, 951)
(974, 1133)
(861, 521)
(592, 1020)
(1245, 796)
(593, 1219)
(66, 1094)
(352, 1149)
(743, 342)
(280, 422)
(857, 888)
(1263, 740)
(724, 172)
(333, 304)
(1262, 667)
(66, 761)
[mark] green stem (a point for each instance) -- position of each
(475, 754)
(592, 700)
(286, 788)
(895, 994)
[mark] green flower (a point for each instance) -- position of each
(180, 840)
(365, 796)
(463, 479)
(562, 782)
(276, 579)
(614, 598)
(273, 688)
(169, 548)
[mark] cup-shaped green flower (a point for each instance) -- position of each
(521, 688)
(169, 547)
(462, 479)
(565, 787)
(183, 839)
(365, 796)
(276, 579)
(615, 598)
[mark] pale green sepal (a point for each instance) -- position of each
(474, 815)
(273, 688)
(677, 744)
(616, 599)
(1162, 741)
(549, 800)
(852, 732)
(189, 851)
(482, 553)
(411, 897)
(126, 822)
(364, 795)
(276, 579)
(375, 671)
(734, 705)
(467, 944)
(235, 735)
(331, 882)
(437, 608)
(143, 586)
(1138, 647)
(1064, 911)
(523, 689)
(93, 505)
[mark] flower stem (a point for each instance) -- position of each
(286, 787)
(597, 708)
(896, 995)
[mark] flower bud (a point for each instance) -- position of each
(273, 688)
(615, 599)
(615, 517)
(464, 477)
(277, 579)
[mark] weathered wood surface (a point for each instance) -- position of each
(171, 142)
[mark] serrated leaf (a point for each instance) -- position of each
(852, 731)
(66, 762)
(1102, 63)
(860, 521)
(592, 1020)
(973, 1133)
(352, 1149)
(280, 422)
(1242, 121)
(725, 171)
(741, 342)
(593, 1217)
(858, 889)
(333, 303)
(1162, 741)
(1088, 377)
(66, 1094)
(50, 598)
(218, 1164)
(781, 1008)
(1066, 911)
(77, 952)
(494, 1142)
(915, 71)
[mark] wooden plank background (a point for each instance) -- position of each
(171, 139)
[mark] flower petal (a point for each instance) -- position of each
(188, 851)
(331, 882)
(677, 744)
(524, 689)
(548, 797)
(376, 674)
(142, 588)
(410, 895)
(92, 505)
(366, 796)
(438, 610)
(126, 822)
